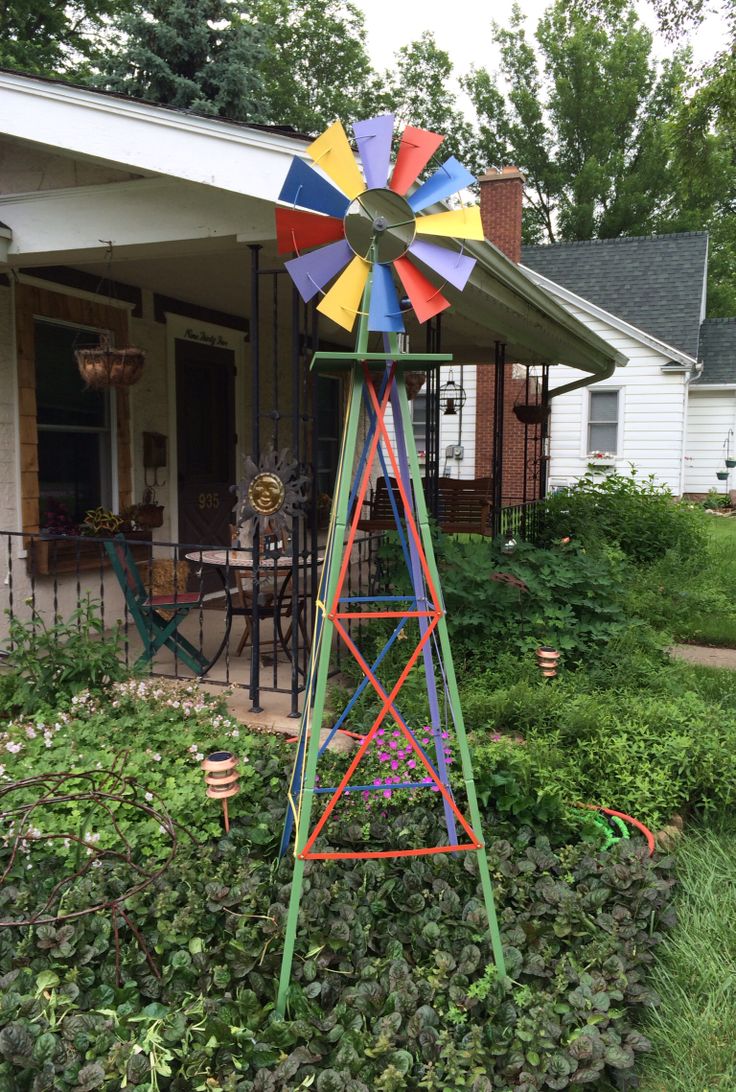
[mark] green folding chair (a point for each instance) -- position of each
(156, 630)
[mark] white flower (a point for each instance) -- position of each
(13, 747)
(199, 756)
(156, 758)
(148, 796)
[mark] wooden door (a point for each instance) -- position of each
(205, 411)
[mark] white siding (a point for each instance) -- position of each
(710, 415)
(652, 407)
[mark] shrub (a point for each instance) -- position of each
(635, 514)
(50, 662)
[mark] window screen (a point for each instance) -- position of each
(419, 421)
(74, 435)
(603, 421)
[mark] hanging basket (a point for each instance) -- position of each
(722, 475)
(102, 366)
(535, 414)
(731, 463)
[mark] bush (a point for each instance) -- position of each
(49, 663)
(635, 514)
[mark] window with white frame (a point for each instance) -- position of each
(419, 421)
(603, 421)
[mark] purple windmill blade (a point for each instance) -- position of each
(374, 144)
(385, 311)
(451, 265)
(304, 187)
(311, 272)
(450, 177)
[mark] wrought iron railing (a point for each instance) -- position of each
(524, 521)
(46, 578)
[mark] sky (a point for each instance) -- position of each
(393, 23)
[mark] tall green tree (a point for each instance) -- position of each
(420, 91)
(588, 128)
(318, 69)
(199, 55)
(55, 37)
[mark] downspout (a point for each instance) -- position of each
(586, 381)
(693, 374)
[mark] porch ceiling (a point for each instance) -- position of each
(210, 188)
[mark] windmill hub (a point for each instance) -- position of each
(380, 221)
(379, 225)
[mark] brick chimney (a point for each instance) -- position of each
(500, 209)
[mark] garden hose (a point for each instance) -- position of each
(625, 819)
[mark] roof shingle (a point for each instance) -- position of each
(654, 282)
(718, 351)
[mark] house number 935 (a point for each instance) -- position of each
(208, 500)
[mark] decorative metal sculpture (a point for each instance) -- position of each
(369, 227)
(270, 494)
(547, 660)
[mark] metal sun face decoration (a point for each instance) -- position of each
(368, 225)
(271, 493)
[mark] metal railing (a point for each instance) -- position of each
(47, 578)
(524, 521)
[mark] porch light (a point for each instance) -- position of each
(221, 780)
(452, 397)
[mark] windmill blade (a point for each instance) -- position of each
(334, 155)
(450, 177)
(426, 300)
(451, 265)
(296, 230)
(385, 310)
(415, 150)
(462, 223)
(342, 302)
(311, 272)
(304, 186)
(374, 144)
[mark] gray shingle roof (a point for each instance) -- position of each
(718, 351)
(654, 282)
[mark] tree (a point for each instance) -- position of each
(198, 55)
(54, 37)
(419, 91)
(590, 131)
(318, 68)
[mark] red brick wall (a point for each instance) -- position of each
(501, 194)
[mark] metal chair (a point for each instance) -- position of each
(156, 630)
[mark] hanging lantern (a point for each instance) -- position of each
(547, 660)
(452, 397)
(221, 779)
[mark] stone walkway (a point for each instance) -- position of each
(705, 655)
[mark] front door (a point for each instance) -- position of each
(205, 412)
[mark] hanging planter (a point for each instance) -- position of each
(722, 475)
(730, 463)
(102, 366)
(535, 414)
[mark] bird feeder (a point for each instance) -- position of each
(221, 779)
(547, 660)
(452, 397)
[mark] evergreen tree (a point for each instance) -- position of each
(198, 55)
(590, 130)
(54, 37)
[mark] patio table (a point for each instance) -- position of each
(226, 561)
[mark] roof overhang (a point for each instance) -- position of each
(235, 172)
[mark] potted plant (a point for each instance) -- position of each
(148, 514)
(103, 366)
(722, 475)
(728, 458)
(532, 413)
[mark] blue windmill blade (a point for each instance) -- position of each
(450, 177)
(373, 137)
(303, 186)
(385, 311)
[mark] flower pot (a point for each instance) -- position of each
(532, 414)
(731, 463)
(722, 475)
(102, 366)
(150, 515)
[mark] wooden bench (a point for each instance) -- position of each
(464, 506)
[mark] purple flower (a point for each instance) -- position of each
(387, 792)
(393, 745)
(394, 765)
(411, 763)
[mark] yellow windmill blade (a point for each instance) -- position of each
(332, 152)
(462, 223)
(342, 302)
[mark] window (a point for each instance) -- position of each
(419, 421)
(603, 421)
(329, 422)
(74, 426)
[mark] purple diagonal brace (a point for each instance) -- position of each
(417, 579)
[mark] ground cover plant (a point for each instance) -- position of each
(394, 986)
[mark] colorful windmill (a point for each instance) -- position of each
(363, 228)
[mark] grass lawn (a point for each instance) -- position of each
(693, 1033)
(719, 628)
